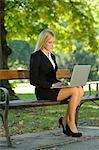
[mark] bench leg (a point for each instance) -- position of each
(76, 116)
(4, 114)
(5, 124)
(77, 112)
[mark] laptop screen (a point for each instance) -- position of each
(80, 75)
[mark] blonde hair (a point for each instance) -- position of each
(44, 36)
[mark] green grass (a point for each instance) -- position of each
(46, 118)
(26, 96)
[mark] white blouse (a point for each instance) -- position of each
(51, 60)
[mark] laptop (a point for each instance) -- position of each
(79, 77)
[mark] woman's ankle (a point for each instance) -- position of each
(73, 127)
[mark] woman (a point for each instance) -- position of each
(43, 69)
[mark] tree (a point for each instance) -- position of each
(70, 19)
(1, 27)
(5, 51)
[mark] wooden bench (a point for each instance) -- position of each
(6, 103)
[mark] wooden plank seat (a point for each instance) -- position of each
(32, 103)
(6, 103)
(37, 103)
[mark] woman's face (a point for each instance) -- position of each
(50, 44)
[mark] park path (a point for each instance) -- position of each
(27, 88)
(55, 140)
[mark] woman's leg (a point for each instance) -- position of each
(76, 94)
(81, 93)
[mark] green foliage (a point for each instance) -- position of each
(79, 56)
(21, 51)
(71, 20)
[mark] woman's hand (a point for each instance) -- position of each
(58, 84)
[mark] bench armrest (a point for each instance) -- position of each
(5, 101)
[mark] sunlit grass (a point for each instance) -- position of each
(26, 96)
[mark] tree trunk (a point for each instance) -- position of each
(5, 51)
(1, 16)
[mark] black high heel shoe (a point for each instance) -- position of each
(61, 124)
(70, 133)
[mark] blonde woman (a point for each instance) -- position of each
(43, 69)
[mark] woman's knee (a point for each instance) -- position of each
(75, 91)
(78, 91)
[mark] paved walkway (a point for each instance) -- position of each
(55, 140)
(27, 88)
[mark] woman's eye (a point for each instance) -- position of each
(51, 42)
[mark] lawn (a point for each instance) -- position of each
(44, 118)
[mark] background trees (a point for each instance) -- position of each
(21, 54)
(72, 20)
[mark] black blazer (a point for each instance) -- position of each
(42, 73)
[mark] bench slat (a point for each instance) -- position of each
(38, 103)
(31, 103)
(24, 74)
(14, 74)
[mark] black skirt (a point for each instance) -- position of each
(47, 94)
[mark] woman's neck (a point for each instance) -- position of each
(46, 52)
